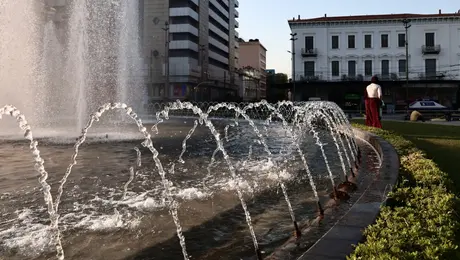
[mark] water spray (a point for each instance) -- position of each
(320, 209)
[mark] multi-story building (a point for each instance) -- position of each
(197, 39)
(253, 55)
(354, 48)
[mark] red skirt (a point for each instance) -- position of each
(372, 112)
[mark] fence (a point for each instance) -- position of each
(253, 110)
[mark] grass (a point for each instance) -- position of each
(419, 219)
(441, 143)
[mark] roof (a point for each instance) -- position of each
(373, 17)
(253, 42)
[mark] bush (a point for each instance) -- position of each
(419, 219)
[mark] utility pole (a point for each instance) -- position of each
(167, 40)
(151, 69)
(203, 74)
(202, 58)
(293, 39)
(407, 25)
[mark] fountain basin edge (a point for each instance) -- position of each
(338, 241)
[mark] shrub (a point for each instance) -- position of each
(419, 219)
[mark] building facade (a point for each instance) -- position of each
(253, 55)
(354, 48)
(196, 40)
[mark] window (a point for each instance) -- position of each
(351, 42)
(385, 67)
(184, 36)
(384, 40)
(309, 68)
(368, 68)
(335, 65)
(401, 40)
(351, 68)
(429, 39)
(427, 104)
(368, 41)
(309, 43)
(430, 67)
(335, 41)
(402, 66)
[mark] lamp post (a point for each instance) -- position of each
(407, 25)
(293, 39)
(167, 40)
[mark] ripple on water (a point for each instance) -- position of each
(92, 206)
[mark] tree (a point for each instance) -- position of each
(278, 78)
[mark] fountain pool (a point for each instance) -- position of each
(120, 202)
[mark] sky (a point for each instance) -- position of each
(266, 20)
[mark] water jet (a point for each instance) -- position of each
(352, 172)
(320, 209)
(70, 90)
(297, 232)
(339, 195)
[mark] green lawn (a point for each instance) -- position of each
(440, 142)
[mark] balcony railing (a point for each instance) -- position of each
(436, 49)
(309, 52)
(439, 75)
(237, 4)
(435, 75)
(237, 24)
(314, 77)
(237, 14)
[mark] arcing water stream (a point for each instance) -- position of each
(80, 54)
(275, 146)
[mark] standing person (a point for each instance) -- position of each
(289, 95)
(372, 101)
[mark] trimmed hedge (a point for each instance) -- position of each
(419, 220)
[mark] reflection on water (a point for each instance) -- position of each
(98, 224)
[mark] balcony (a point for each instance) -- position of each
(315, 77)
(237, 24)
(237, 4)
(237, 14)
(433, 75)
(309, 52)
(183, 11)
(436, 49)
(237, 35)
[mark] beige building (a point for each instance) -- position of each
(252, 61)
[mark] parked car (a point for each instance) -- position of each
(429, 109)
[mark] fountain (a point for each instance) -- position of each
(215, 169)
(259, 151)
(57, 70)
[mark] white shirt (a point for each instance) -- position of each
(374, 91)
